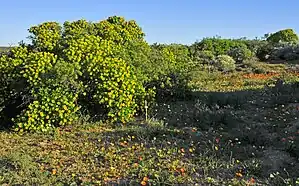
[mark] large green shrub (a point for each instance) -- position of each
(79, 64)
(108, 80)
(105, 68)
(285, 35)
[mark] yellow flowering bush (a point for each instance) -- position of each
(79, 64)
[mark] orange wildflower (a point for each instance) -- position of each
(143, 183)
(123, 144)
(260, 76)
(252, 180)
(238, 174)
(182, 170)
(54, 171)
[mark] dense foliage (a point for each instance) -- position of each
(240, 54)
(105, 69)
(218, 46)
(44, 84)
(172, 72)
(285, 35)
(225, 63)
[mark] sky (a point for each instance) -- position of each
(163, 21)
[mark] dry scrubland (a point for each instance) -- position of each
(94, 104)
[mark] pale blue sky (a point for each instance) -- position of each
(163, 21)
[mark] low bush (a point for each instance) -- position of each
(240, 54)
(225, 63)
